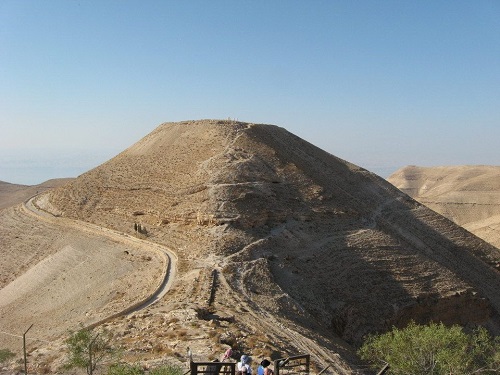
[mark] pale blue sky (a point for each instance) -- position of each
(382, 84)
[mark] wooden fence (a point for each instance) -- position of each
(213, 368)
(296, 365)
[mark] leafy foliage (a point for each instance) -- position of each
(167, 370)
(125, 369)
(433, 349)
(87, 349)
(5, 354)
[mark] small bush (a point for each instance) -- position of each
(167, 370)
(181, 333)
(170, 335)
(434, 349)
(161, 348)
(125, 369)
(5, 354)
(87, 349)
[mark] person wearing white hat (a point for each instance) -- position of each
(243, 366)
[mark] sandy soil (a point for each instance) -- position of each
(469, 195)
(58, 275)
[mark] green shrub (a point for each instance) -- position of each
(433, 349)
(5, 354)
(167, 370)
(87, 349)
(125, 369)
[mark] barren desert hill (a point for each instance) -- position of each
(269, 206)
(467, 195)
(282, 246)
(11, 194)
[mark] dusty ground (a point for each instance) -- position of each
(12, 194)
(58, 276)
(53, 296)
(281, 248)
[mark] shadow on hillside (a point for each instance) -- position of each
(369, 259)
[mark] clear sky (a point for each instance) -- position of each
(382, 84)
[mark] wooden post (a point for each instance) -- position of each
(384, 369)
(90, 370)
(24, 350)
(326, 368)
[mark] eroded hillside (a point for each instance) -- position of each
(310, 252)
(262, 198)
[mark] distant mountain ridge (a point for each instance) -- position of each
(467, 195)
(11, 194)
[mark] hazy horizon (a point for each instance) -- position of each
(26, 170)
(35, 167)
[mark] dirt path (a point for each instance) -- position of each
(64, 273)
(168, 273)
(303, 341)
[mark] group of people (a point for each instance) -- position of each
(243, 366)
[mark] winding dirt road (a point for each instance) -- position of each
(65, 273)
(168, 272)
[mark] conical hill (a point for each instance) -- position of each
(297, 233)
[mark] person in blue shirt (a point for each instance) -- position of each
(263, 369)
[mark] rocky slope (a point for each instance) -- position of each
(467, 195)
(273, 206)
(282, 248)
